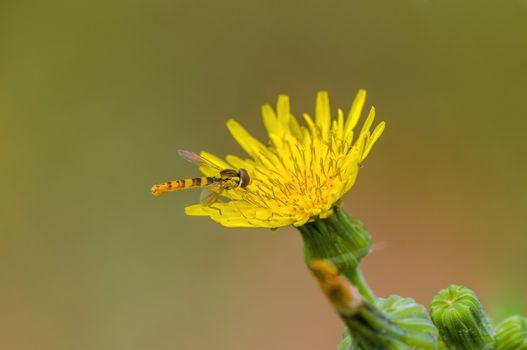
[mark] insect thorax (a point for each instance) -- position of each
(230, 183)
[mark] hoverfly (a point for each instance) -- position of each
(213, 186)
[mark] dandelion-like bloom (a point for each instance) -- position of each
(302, 172)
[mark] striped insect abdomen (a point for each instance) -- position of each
(170, 186)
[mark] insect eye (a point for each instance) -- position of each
(229, 173)
(245, 180)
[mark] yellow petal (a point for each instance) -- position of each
(238, 163)
(287, 120)
(240, 214)
(270, 120)
(282, 109)
(339, 132)
(214, 159)
(377, 132)
(311, 125)
(252, 146)
(354, 113)
(200, 210)
(369, 121)
(323, 113)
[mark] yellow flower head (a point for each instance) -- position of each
(301, 173)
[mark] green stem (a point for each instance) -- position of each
(357, 279)
(343, 241)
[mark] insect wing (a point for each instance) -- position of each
(191, 157)
(198, 160)
(210, 194)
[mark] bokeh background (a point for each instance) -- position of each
(97, 96)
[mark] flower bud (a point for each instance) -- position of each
(340, 239)
(511, 334)
(461, 320)
(393, 323)
(412, 318)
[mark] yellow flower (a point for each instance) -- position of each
(301, 173)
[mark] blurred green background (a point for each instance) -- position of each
(97, 96)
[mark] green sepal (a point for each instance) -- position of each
(511, 334)
(339, 239)
(462, 323)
